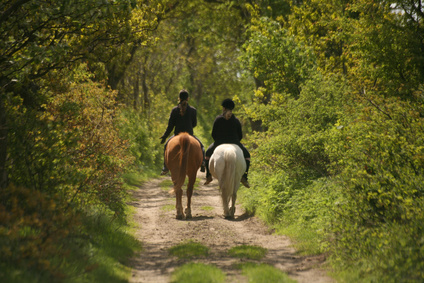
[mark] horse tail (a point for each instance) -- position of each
(230, 158)
(184, 158)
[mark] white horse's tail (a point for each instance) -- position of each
(227, 165)
(228, 180)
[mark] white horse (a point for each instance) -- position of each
(227, 164)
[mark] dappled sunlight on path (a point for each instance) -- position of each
(159, 231)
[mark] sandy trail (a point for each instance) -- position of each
(159, 231)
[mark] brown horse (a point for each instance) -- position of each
(183, 157)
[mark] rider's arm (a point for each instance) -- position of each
(194, 118)
(239, 131)
(171, 125)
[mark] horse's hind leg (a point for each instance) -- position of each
(233, 205)
(190, 186)
(179, 206)
(225, 204)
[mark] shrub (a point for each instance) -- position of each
(378, 158)
(66, 158)
(33, 229)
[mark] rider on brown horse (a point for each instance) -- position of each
(227, 129)
(183, 118)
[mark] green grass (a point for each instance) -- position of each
(263, 273)
(99, 252)
(248, 252)
(188, 250)
(101, 257)
(207, 208)
(197, 273)
(134, 179)
(305, 240)
(168, 207)
(166, 184)
(111, 246)
(11, 274)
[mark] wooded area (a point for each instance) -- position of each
(330, 93)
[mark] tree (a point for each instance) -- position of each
(197, 46)
(387, 48)
(325, 26)
(350, 139)
(41, 36)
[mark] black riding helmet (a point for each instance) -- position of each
(228, 104)
(183, 95)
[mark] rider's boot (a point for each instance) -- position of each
(208, 174)
(244, 180)
(164, 170)
(202, 167)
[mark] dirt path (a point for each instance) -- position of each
(160, 231)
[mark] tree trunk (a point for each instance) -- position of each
(3, 143)
(145, 88)
(136, 92)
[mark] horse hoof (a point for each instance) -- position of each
(180, 217)
(188, 213)
(232, 212)
(229, 217)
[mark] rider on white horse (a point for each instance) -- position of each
(227, 129)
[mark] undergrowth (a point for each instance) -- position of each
(264, 273)
(98, 252)
(248, 252)
(189, 249)
(198, 273)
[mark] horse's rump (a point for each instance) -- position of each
(227, 159)
(227, 164)
(183, 157)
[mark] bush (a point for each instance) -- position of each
(143, 143)
(70, 146)
(34, 227)
(342, 157)
(378, 157)
(66, 158)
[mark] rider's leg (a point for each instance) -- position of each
(165, 169)
(207, 156)
(246, 155)
(202, 167)
(244, 180)
(247, 167)
(208, 173)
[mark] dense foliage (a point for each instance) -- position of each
(341, 162)
(64, 149)
(330, 94)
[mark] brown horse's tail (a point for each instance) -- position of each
(184, 158)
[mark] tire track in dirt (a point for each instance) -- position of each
(159, 231)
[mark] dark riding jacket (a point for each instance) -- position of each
(184, 123)
(226, 131)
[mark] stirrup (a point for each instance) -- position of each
(164, 172)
